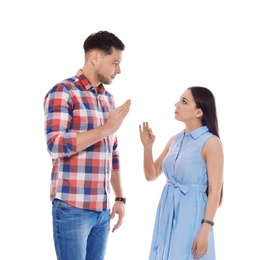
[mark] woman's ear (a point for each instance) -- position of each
(199, 113)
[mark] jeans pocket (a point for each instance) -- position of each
(60, 204)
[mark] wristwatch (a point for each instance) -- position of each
(120, 199)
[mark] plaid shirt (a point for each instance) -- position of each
(80, 179)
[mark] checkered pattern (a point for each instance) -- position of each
(80, 179)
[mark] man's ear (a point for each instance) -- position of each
(93, 56)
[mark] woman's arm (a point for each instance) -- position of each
(152, 169)
(212, 153)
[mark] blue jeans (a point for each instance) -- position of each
(79, 234)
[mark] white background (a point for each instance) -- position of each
(170, 45)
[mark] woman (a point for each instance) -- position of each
(193, 164)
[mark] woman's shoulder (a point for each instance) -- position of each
(213, 142)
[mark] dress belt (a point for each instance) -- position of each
(184, 188)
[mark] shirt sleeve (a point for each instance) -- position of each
(115, 156)
(58, 109)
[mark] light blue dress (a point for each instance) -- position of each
(183, 200)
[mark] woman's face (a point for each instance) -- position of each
(186, 108)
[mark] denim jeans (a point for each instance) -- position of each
(79, 234)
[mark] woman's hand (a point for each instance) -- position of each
(146, 135)
(200, 245)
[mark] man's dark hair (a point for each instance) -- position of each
(103, 41)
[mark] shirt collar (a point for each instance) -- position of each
(198, 132)
(85, 82)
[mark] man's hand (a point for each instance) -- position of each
(118, 208)
(117, 116)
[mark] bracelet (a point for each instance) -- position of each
(207, 221)
(121, 199)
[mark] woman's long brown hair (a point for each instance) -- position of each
(205, 100)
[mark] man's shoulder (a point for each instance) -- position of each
(68, 83)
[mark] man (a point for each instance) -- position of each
(80, 124)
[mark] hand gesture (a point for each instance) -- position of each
(146, 135)
(116, 117)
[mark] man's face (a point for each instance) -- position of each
(108, 66)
